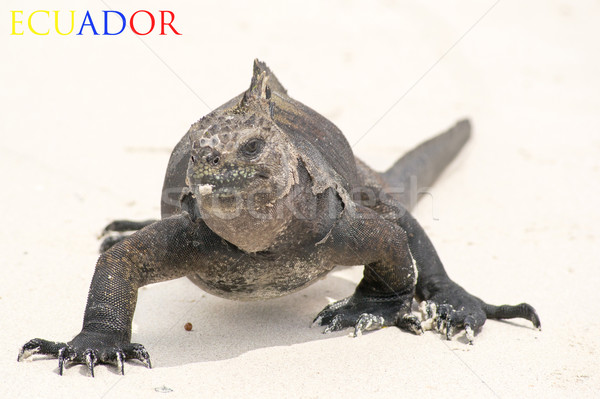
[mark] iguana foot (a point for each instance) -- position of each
(453, 308)
(87, 348)
(366, 313)
(119, 226)
(446, 320)
(109, 241)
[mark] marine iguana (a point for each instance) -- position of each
(262, 197)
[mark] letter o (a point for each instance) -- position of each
(133, 28)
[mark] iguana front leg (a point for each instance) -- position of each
(384, 295)
(165, 250)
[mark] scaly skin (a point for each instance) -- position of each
(263, 197)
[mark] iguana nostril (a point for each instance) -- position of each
(212, 159)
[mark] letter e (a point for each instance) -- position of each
(14, 22)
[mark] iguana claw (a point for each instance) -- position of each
(90, 360)
(120, 362)
(366, 313)
(65, 355)
(86, 351)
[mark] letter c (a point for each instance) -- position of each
(31, 26)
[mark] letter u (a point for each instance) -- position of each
(56, 23)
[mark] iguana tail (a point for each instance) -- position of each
(418, 169)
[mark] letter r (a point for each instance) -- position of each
(163, 22)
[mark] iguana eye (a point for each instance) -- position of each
(253, 147)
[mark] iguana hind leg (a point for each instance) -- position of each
(451, 307)
(447, 307)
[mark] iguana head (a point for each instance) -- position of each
(241, 167)
(238, 156)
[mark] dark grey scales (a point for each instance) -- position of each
(262, 197)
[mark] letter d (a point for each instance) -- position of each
(123, 20)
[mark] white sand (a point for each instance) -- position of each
(87, 125)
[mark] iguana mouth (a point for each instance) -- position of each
(225, 192)
(201, 190)
(228, 179)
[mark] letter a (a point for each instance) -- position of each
(90, 24)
